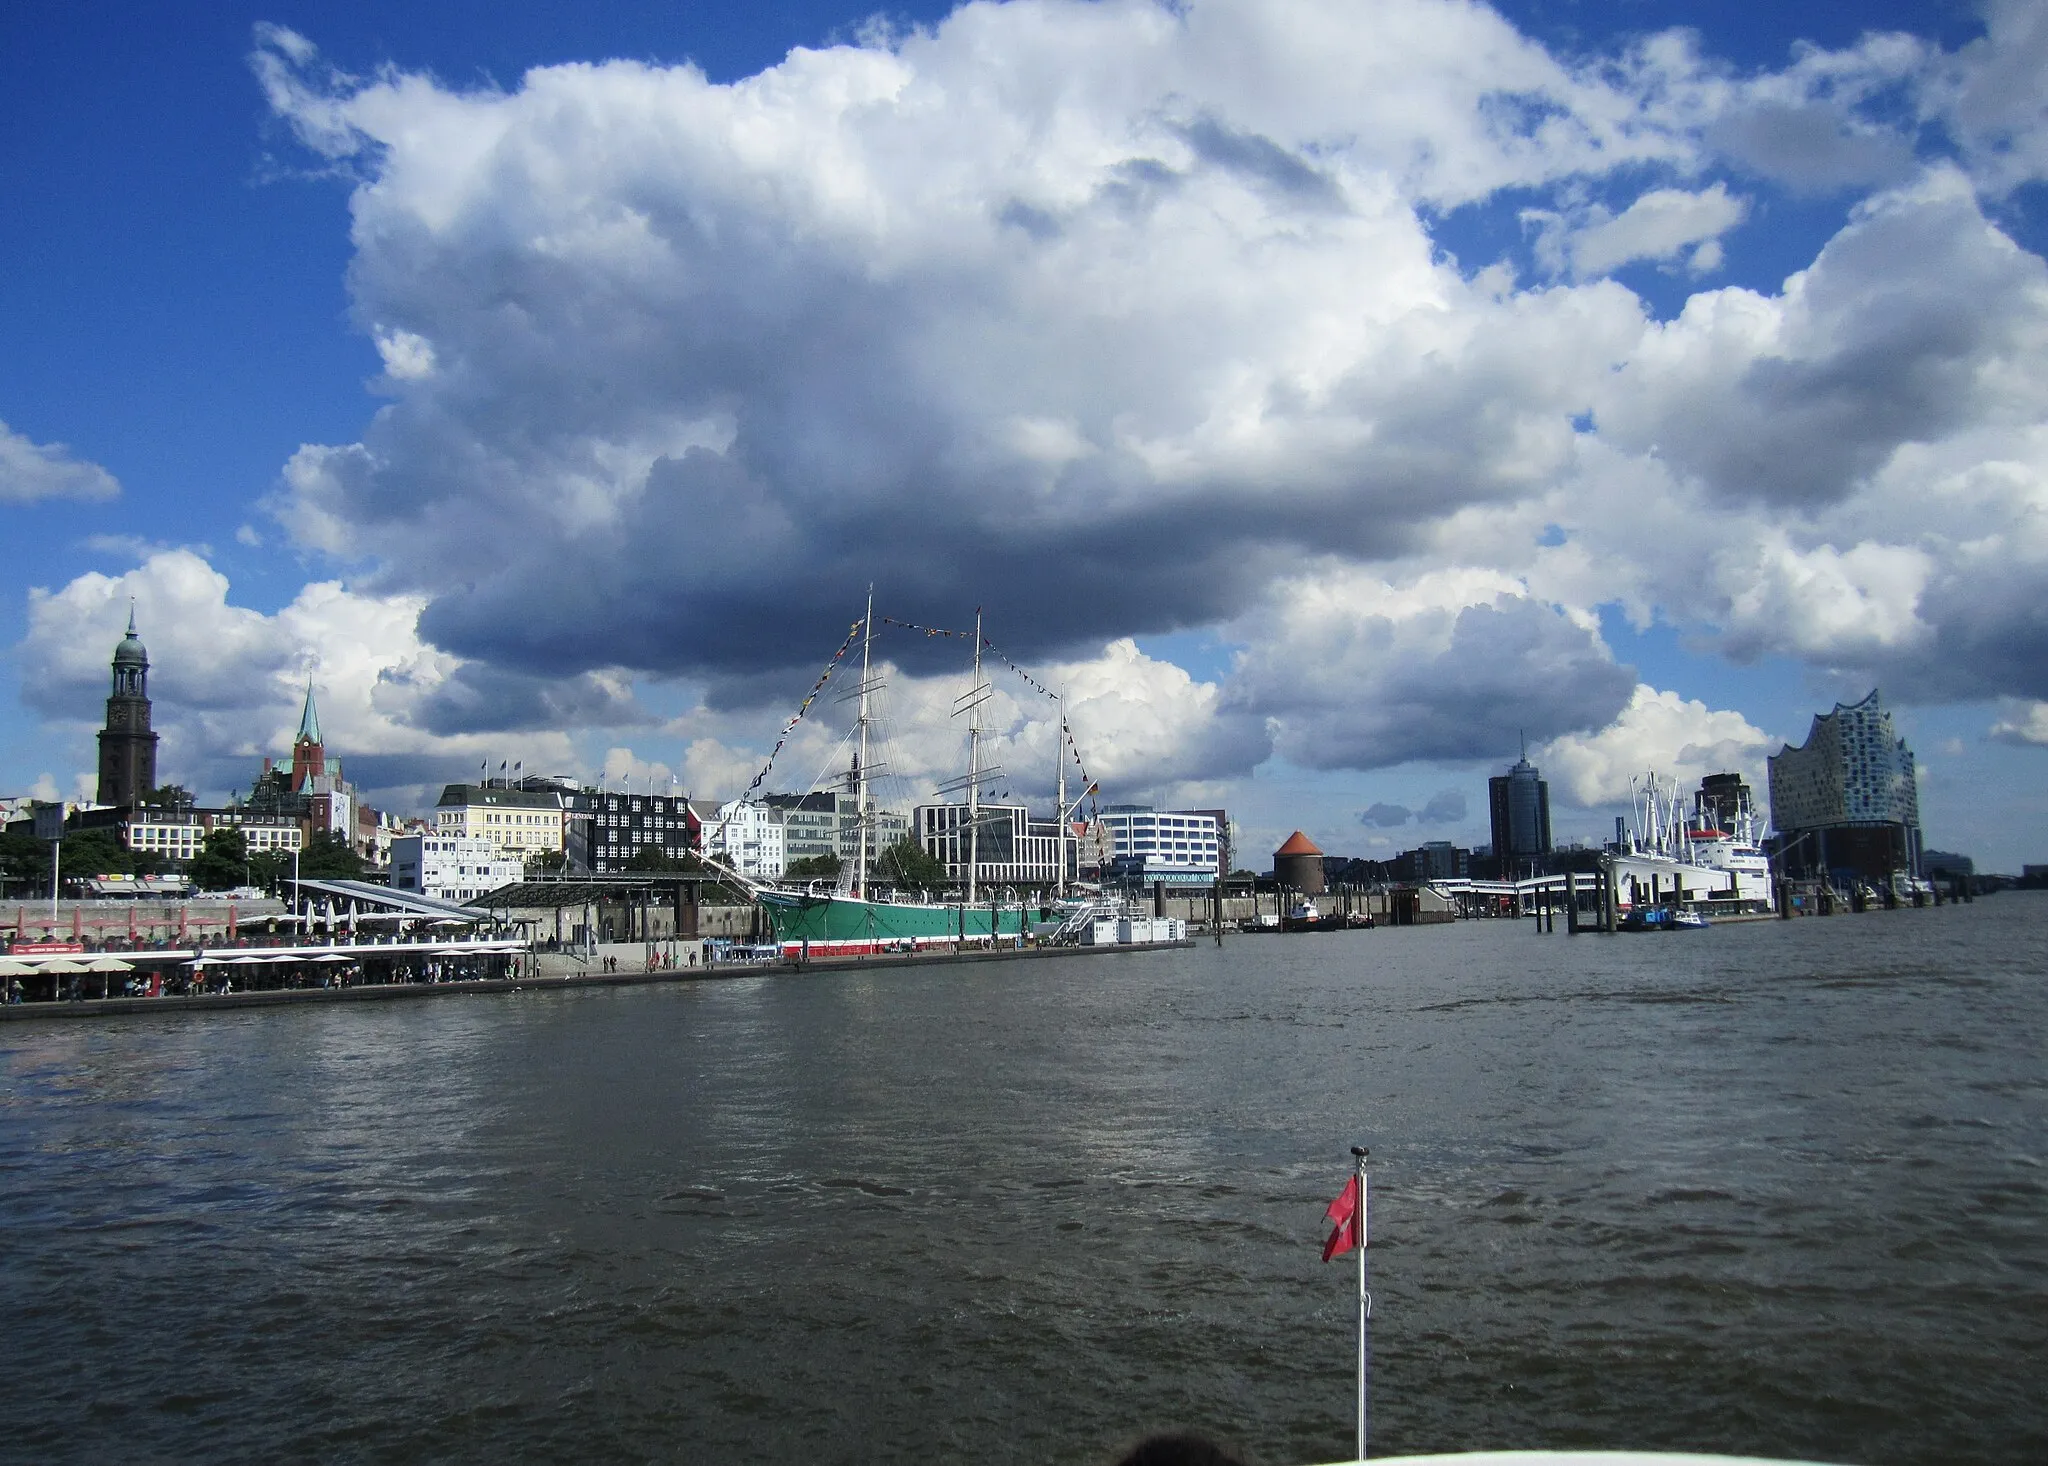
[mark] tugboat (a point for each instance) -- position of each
(1306, 918)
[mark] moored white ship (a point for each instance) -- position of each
(1671, 858)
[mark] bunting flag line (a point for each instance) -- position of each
(817, 687)
(1066, 733)
(927, 630)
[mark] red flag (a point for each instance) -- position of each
(1344, 1212)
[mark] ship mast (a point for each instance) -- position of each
(974, 766)
(1059, 757)
(860, 765)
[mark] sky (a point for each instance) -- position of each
(1330, 397)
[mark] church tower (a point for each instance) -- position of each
(127, 746)
(309, 756)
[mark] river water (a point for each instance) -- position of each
(1775, 1188)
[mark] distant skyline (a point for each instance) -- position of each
(1319, 393)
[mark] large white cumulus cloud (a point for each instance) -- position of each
(228, 681)
(1126, 317)
(1357, 673)
(1679, 739)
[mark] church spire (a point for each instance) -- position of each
(309, 719)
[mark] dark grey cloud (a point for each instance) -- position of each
(1987, 637)
(1446, 807)
(479, 697)
(1262, 160)
(1891, 338)
(1812, 146)
(1374, 690)
(1384, 816)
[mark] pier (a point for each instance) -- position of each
(522, 971)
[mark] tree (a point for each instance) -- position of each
(547, 862)
(169, 796)
(270, 869)
(813, 868)
(328, 857)
(909, 865)
(24, 862)
(223, 863)
(652, 857)
(96, 853)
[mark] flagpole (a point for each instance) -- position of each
(1364, 1298)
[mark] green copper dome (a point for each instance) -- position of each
(130, 651)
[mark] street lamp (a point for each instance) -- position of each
(49, 825)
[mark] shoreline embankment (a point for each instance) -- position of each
(200, 1003)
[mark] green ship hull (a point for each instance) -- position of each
(825, 926)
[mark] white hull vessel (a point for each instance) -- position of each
(1671, 860)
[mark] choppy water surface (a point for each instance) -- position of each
(1773, 1189)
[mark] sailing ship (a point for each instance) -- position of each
(850, 919)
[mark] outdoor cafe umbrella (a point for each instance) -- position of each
(109, 964)
(63, 965)
(10, 968)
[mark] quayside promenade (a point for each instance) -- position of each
(523, 971)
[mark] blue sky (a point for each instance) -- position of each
(185, 307)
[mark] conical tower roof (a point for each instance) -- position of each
(309, 720)
(1297, 844)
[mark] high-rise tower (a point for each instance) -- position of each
(127, 745)
(1519, 802)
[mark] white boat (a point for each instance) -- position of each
(1586, 1458)
(1686, 861)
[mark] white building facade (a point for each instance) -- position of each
(749, 838)
(1175, 846)
(264, 834)
(512, 820)
(1009, 849)
(168, 834)
(451, 867)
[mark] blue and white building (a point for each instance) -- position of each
(452, 867)
(1176, 846)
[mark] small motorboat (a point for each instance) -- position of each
(1662, 919)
